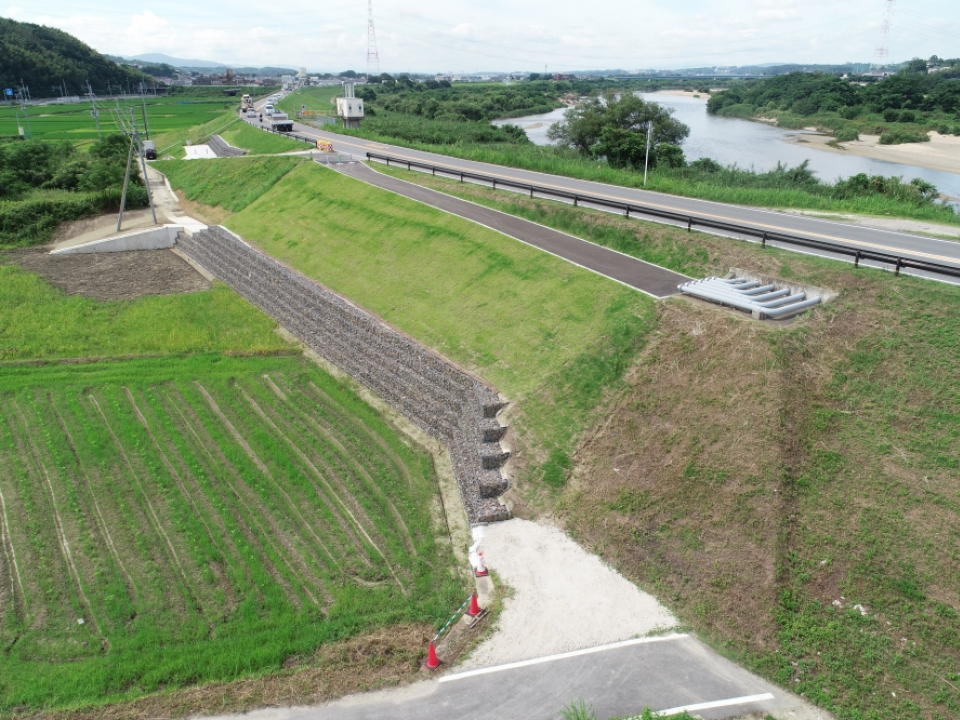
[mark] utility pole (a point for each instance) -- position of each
(646, 160)
(146, 127)
(143, 162)
(94, 112)
(126, 183)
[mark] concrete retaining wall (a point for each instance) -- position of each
(441, 399)
(156, 238)
(222, 148)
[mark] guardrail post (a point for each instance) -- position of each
(897, 269)
(689, 224)
(856, 259)
(531, 192)
(408, 166)
(461, 177)
(627, 213)
(388, 161)
(433, 171)
(575, 201)
(763, 242)
(494, 183)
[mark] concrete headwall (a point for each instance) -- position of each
(156, 238)
(441, 399)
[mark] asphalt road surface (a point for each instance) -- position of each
(854, 236)
(651, 279)
(674, 672)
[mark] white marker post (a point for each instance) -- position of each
(646, 160)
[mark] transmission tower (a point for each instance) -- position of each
(373, 58)
(882, 55)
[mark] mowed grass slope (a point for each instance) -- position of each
(550, 335)
(168, 522)
(257, 141)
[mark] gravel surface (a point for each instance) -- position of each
(564, 598)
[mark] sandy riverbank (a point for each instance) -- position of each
(684, 93)
(941, 153)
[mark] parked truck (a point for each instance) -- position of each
(279, 122)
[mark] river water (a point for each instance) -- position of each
(754, 145)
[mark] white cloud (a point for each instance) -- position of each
(463, 35)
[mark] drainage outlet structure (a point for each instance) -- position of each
(760, 300)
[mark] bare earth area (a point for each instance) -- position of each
(941, 153)
(111, 276)
(564, 597)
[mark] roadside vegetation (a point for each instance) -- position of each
(551, 336)
(788, 490)
(766, 481)
(45, 183)
(243, 135)
(902, 108)
(604, 140)
(233, 183)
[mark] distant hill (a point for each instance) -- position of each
(44, 57)
(161, 58)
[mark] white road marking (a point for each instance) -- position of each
(744, 700)
(561, 656)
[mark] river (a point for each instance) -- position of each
(754, 145)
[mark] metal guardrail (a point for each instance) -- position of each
(897, 261)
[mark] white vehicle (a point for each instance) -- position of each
(269, 109)
(251, 113)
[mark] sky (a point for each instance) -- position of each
(466, 36)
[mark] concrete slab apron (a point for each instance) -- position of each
(646, 277)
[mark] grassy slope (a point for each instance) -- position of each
(550, 335)
(753, 475)
(316, 99)
(231, 183)
(258, 142)
(737, 457)
(188, 564)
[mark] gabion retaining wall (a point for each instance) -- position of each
(221, 148)
(441, 399)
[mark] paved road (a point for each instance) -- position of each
(853, 236)
(651, 279)
(670, 673)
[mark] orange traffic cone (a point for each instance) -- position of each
(433, 662)
(481, 570)
(474, 606)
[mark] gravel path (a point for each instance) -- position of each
(564, 598)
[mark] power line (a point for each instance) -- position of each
(373, 57)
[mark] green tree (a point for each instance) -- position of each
(614, 126)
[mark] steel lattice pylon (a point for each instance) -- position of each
(882, 54)
(373, 58)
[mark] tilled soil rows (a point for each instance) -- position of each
(111, 276)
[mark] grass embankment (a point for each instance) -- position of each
(319, 100)
(750, 475)
(170, 144)
(258, 142)
(236, 182)
(552, 336)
